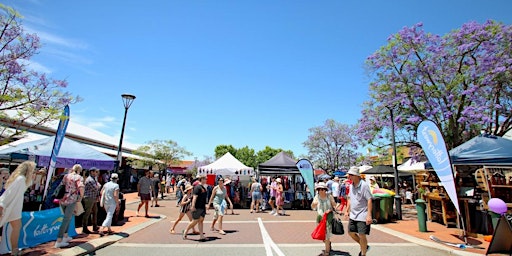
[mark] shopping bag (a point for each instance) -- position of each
(319, 232)
(79, 209)
(337, 226)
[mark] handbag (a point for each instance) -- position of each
(320, 230)
(79, 209)
(336, 225)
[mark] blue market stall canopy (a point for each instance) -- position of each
(71, 152)
(483, 150)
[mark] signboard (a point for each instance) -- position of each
(36, 228)
(501, 240)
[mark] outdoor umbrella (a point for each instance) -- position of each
(324, 176)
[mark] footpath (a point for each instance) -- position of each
(407, 229)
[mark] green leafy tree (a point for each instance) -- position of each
(332, 146)
(26, 97)
(248, 156)
(268, 152)
(159, 153)
(221, 150)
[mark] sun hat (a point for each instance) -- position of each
(114, 176)
(354, 171)
(278, 180)
(372, 178)
(320, 185)
(188, 187)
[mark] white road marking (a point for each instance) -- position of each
(267, 241)
(344, 245)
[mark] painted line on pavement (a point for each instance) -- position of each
(267, 240)
(345, 245)
(422, 242)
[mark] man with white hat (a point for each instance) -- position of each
(360, 209)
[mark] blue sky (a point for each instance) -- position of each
(245, 73)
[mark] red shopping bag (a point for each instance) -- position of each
(319, 232)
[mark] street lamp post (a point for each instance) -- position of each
(127, 101)
(398, 198)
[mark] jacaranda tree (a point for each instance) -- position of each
(332, 146)
(26, 96)
(461, 81)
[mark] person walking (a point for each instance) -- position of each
(144, 189)
(255, 195)
(110, 201)
(11, 201)
(279, 197)
(198, 208)
(324, 203)
(155, 187)
(74, 184)
(91, 197)
(219, 198)
(359, 210)
(272, 193)
(180, 191)
(185, 209)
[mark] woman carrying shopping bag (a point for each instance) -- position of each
(324, 204)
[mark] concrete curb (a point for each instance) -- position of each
(423, 242)
(98, 243)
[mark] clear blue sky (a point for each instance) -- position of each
(206, 73)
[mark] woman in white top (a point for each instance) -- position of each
(109, 200)
(11, 201)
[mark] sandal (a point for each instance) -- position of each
(102, 233)
(222, 232)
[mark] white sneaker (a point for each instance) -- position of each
(67, 239)
(272, 212)
(276, 214)
(61, 244)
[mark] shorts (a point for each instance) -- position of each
(272, 198)
(198, 213)
(154, 194)
(145, 197)
(256, 196)
(359, 227)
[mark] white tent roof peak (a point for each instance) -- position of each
(226, 165)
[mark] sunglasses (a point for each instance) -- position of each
(322, 189)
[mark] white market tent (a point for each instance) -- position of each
(412, 167)
(227, 165)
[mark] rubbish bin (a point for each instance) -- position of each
(376, 209)
(385, 207)
(422, 215)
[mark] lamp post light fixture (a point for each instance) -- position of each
(127, 102)
(398, 199)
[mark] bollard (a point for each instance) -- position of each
(422, 216)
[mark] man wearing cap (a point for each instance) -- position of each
(144, 189)
(359, 209)
(91, 197)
